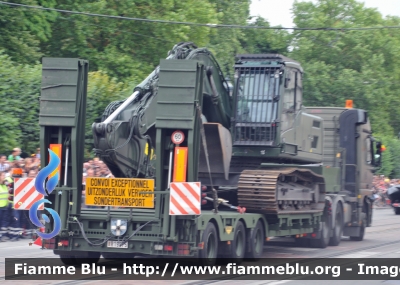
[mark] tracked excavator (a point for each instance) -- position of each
(261, 121)
(253, 161)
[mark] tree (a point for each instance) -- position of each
(225, 43)
(22, 30)
(265, 41)
(102, 90)
(120, 47)
(342, 65)
(20, 90)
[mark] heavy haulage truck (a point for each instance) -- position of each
(257, 163)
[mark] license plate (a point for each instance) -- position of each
(117, 244)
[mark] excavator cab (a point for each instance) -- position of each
(268, 110)
(257, 100)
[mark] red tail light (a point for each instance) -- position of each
(63, 243)
(168, 248)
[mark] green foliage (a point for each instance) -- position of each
(226, 43)
(390, 157)
(102, 90)
(349, 65)
(123, 47)
(22, 30)
(265, 41)
(20, 90)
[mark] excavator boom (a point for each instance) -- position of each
(125, 137)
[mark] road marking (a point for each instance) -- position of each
(305, 249)
(360, 254)
(280, 282)
(275, 248)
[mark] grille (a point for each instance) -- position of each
(256, 105)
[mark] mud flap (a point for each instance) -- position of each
(353, 231)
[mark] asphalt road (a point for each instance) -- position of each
(382, 240)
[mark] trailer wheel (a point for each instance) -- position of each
(360, 237)
(209, 253)
(256, 242)
(68, 259)
(397, 211)
(238, 245)
(338, 228)
(323, 240)
(302, 242)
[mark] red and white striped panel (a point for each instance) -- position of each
(25, 194)
(185, 198)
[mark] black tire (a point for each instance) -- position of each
(360, 237)
(338, 228)
(68, 259)
(397, 211)
(111, 256)
(256, 242)
(323, 240)
(238, 245)
(93, 257)
(369, 212)
(302, 242)
(208, 255)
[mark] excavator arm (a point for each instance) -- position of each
(125, 137)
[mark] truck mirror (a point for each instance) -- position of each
(378, 155)
(378, 148)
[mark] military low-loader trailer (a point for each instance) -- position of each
(249, 192)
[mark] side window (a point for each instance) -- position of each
(289, 94)
(299, 90)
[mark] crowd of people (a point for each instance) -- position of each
(15, 224)
(380, 186)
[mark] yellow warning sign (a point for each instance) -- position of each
(120, 192)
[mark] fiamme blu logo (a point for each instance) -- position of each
(41, 186)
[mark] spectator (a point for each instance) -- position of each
(90, 172)
(38, 153)
(10, 222)
(3, 165)
(15, 155)
(35, 162)
(32, 173)
(28, 164)
(86, 166)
